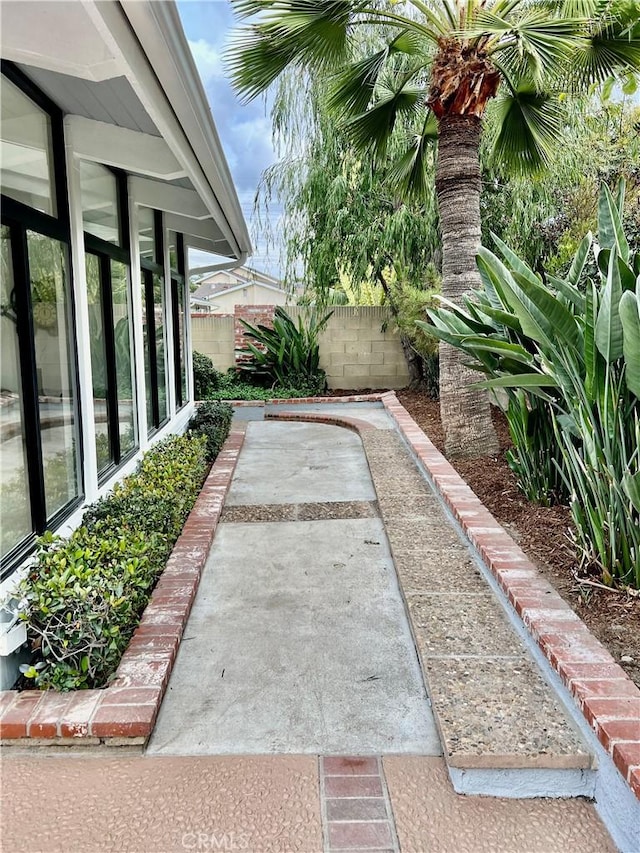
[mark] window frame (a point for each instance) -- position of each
(19, 218)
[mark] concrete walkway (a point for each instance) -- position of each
(283, 652)
(296, 717)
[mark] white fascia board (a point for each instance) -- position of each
(168, 198)
(126, 149)
(170, 54)
(148, 78)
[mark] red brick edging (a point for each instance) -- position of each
(606, 696)
(126, 711)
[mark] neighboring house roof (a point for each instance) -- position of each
(204, 295)
(123, 74)
(244, 274)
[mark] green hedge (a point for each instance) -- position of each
(84, 595)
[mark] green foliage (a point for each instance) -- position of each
(205, 377)
(83, 596)
(232, 388)
(286, 355)
(212, 420)
(568, 355)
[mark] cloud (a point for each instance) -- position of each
(244, 129)
(208, 60)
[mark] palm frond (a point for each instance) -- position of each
(304, 32)
(529, 127)
(613, 46)
(353, 86)
(372, 129)
(535, 43)
(411, 173)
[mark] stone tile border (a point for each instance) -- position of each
(355, 806)
(601, 689)
(125, 712)
(292, 401)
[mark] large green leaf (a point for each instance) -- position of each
(631, 484)
(609, 338)
(630, 318)
(590, 350)
(515, 263)
(570, 293)
(580, 258)
(501, 348)
(610, 230)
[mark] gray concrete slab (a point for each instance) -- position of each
(300, 463)
(298, 642)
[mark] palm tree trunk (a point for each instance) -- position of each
(465, 413)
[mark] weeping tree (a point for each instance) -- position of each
(350, 234)
(442, 62)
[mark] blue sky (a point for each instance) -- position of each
(245, 130)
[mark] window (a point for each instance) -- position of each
(107, 265)
(26, 153)
(153, 300)
(179, 303)
(99, 190)
(40, 444)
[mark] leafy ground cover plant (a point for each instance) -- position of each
(205, 377)
(568, 352)
(84, 595)
(213, 421)
(287, 355)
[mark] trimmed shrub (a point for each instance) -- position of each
(205, 377)
(212, 420)
(84, 596)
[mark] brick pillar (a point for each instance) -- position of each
(254, 314)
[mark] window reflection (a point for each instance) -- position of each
(124, 350)
(99, 202)
(98, 363)
(25, 152)
(15, 511)
(54, 368)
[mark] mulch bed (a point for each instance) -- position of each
(544, 534)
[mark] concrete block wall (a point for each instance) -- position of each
(359, 348)
(213, 336)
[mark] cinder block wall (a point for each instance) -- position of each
(213, 336)
(358, 349)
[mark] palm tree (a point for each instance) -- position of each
(431, 68)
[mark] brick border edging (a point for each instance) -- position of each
(604, 693)
(126, 711)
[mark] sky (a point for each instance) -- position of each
(245, 130)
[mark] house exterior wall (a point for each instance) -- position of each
(252, 294)
(359, 348)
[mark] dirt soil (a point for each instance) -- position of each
(544, 534)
